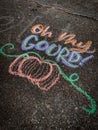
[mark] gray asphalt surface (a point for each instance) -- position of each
(23, 106)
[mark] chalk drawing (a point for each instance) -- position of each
(39, 29)
(69, 58)
(43, 74)
(72, 79)
(69, 38)
(11, 47)
(22, 71)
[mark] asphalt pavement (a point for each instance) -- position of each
(48, 65)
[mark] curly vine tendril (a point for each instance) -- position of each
(72, 78)
(11, 47)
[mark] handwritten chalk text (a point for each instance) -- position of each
(69, 39)
(71, 59)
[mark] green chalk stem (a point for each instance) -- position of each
(14, 56)
(72, 78)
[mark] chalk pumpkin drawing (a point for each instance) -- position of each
(71, 79)
(44, 74)
(24, 65)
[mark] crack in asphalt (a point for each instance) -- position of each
(66, 11)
